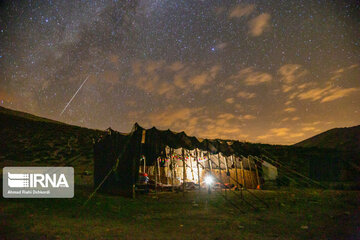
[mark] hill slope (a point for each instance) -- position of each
(345, 139)
(28, 139)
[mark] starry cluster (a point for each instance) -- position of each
(261, 71)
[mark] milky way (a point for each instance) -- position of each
(260, 71)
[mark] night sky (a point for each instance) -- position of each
(260, 71)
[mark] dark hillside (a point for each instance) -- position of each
(28, 139)
(345, 139)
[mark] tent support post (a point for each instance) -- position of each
(210, 168)
(159, 169)
(243, 177)
(191, 166)
(144, 164)
(226, 165)
(236, 171)
(172, 170)
(133, 180)
(134, 172)
(219, 160)
(184, 170)
(209, 161)
(257, 177)
(167, 167)
(227, 171)
(198, 170)
(156, 176)
(248, 159)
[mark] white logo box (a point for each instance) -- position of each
(38, 182)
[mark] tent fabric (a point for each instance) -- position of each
(182, 140)
(111, 152)
(269, 171)
(157, 140)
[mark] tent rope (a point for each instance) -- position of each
(262, 201)
(295, 172)
(113, 169)
(235, 192)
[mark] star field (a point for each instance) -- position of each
(260, 71)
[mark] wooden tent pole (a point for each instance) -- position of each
(134, 167)
(221, 181)
(133, 180)
(191, 166)
(184, 170)
(144, 165)
(210, 169)
(243, 172)
(226, 165)
(257, 176)
(167, 167)
(198, 169)
(248, 158)
(156, 175)
(209, 161)
(236, 173)
(227, 169)
(175, 168)
(172, 170)
(159, 169)
(219, 160)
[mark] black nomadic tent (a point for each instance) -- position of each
(121, 153)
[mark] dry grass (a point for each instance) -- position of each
(325, 214)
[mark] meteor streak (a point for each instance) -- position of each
(74, 95)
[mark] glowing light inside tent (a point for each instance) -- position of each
(209, 180)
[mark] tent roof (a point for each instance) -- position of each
(161, 138)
